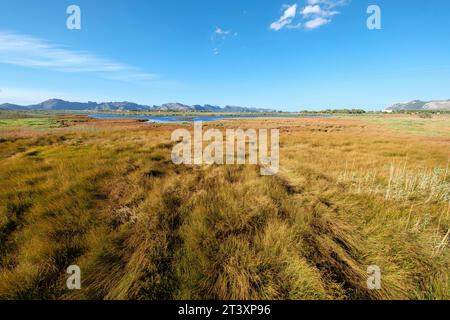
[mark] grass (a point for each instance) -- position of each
(32, 122)
(400, 183)
(435, 126)
(105, 195)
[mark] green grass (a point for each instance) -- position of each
(433, 127)
(31, 122)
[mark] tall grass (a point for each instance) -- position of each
(398, 182)
(109, 199)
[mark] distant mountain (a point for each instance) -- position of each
(9, 106)
(174, 107)
(421, 105)
(121, 106)
(57, 104)
(242, 109)
(438, 105)
(208, 108)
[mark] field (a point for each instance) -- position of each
(352, 192)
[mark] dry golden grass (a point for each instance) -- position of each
(105, 195)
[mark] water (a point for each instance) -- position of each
(205, 118)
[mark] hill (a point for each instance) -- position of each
(58, 104)
(421, 105)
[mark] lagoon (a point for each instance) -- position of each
(204, 118)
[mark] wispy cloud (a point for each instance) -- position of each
(219, 37)
(286, 19)
(310, 10)
(316, 23)
(222, 32)
(32, 52)
(313, 14)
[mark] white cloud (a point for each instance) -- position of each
(314, 14)
(222, 32)
(219, 37)
(329, 3)
(286, 19)
(316, 23)
(225, 33)
(294, 26)
(319, 12)
(31, 52)
(308, 10)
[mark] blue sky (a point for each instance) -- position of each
(290, 55)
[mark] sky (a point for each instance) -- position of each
(285, 55)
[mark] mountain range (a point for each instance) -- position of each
(442, 105)
(57, 104)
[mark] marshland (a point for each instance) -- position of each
(352, 191)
